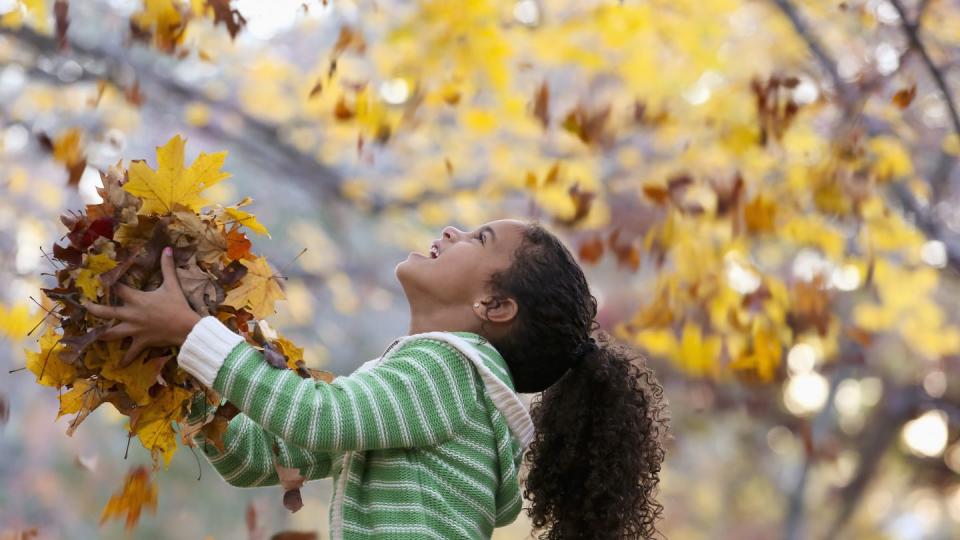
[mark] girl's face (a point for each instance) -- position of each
(457, 277)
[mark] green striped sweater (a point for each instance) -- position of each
(424, 442)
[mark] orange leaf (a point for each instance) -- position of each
(138, 492)
(238, 245)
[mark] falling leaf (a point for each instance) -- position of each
(759, 214)
(230, 17)
(67, 149)
(291, 480)
(762, 361)
(138, 493)
(4, 410)
(903, 97)
(60, 11)
(162, 21)
(591, 250)
(541, 103)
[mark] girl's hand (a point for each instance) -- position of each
(157, 318)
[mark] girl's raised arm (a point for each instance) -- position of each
(421, 395)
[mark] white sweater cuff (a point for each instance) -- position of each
(206, 348)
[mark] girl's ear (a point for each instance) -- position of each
(498, 310)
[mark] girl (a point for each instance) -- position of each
(427, 440)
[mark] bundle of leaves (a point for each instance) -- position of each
(120, 241)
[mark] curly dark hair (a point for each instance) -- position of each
(595, 459)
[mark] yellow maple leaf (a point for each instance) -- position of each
(163, 18)
(291, 351)
(153, 423)
(82, 399)
(258, 289)
(171, 183)
(66, 148)
(698, 354)
(695, 353)
(47, 365)
(765, 357)
(248, 220)
(138, 492)
(74, 399)
(88, 277)
(137, 377)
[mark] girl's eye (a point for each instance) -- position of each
(480, 236)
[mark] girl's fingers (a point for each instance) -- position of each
(104, 312)
(117, 331)
(170, 280)
(125, 292)
(133, 352)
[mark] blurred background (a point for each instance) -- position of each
(762, 194)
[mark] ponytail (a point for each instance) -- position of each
(595, 460)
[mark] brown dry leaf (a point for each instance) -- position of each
(320, 375)
(541, 104)
(349, 39)
(291, 480)
(210, 241)
(138, 492)
(4, 410)
(904, 96)
(60, 12)
(199, 287)
(627, 254)
(230, 17)
(591, 250)
(215, 430)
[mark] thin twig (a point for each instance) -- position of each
(843, 89)
(912, 31)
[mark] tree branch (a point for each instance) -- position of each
(912, 32)
(844, 90)
(260, 142)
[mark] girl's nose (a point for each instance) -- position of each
(450, 233)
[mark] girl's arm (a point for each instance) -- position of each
(420, 396)
(247, 459)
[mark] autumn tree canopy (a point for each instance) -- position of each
(763, 191)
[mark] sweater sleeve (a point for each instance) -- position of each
(421, 395)
(247, 459)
